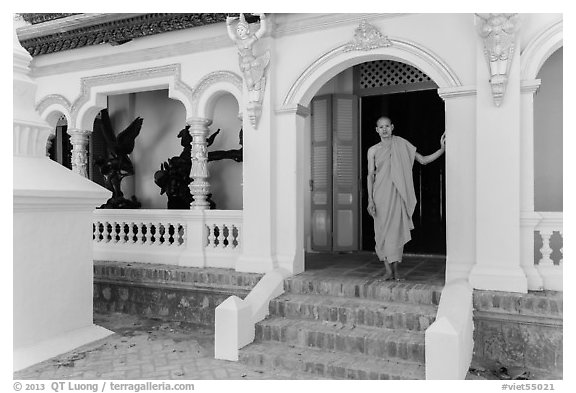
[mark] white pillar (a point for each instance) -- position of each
(498, 183)
(200, 188)
(258, 192)
(79, 140)
(460, 180)
(290, 128)
(52, 237)
(528, 218)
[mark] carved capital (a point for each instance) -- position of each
(367, 37)
(530, 86)
(498, 32)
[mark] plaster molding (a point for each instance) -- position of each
(46, 201)
(202, 87)
(30, 139)
(367, 37)
(289, 25)
(498, 32)
(54, 100)
(429, 57)
(297, 109)
(456, 92)
(179, 90)
(530, 86)
(540, 48)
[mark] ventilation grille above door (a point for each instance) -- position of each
(385, 76)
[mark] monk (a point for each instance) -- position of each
(391, 196)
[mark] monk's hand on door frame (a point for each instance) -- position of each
(371, 208)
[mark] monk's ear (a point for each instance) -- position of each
(391, 127)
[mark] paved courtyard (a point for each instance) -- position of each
(144, 348)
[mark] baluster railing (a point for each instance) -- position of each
(190, 238)
(550, 270)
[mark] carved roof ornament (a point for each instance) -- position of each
(367, 37)
(59, 32)
(498, 32)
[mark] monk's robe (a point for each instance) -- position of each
(394, 197)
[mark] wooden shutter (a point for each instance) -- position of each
(321, 207)
(345, 173)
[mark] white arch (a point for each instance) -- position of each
(210, 88)
(52, 107)
(540, 49)
(341, 58)
(94, 90)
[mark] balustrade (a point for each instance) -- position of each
(168, 236)
(549, 259)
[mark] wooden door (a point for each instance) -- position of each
(321, 178)
(335, 171)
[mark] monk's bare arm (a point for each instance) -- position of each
(432, 157)
(370, 181)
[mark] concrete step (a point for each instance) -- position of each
(333, 336)
(366, 288)
(331, 365)
(354, 311)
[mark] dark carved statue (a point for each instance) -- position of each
(173, 178)
(118, 165)
(234, 154)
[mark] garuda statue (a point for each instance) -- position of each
(118, 165)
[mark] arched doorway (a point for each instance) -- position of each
(342, 130)
(459, 104)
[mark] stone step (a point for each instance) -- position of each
(331, 365)
(390, 291)
(334, 336)
(354, 311)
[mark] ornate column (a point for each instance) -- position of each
(200, 188)
(529, 219)
(79, 140)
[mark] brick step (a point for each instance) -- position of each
(390, 291)
(546, 304)
(334, 336)
(354, 311)
(175, 276)
(327, 364)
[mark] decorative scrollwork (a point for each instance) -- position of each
(367, 37)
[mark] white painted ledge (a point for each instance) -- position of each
(28, 356)
(236, 319)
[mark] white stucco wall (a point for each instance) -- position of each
(301, 42)
(548, 136)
